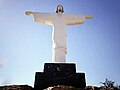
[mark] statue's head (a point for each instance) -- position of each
(59, 9)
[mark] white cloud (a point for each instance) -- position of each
(6, 82)
(2, 63)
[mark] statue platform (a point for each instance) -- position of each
(59, 74)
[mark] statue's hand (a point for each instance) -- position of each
(88, 16)
(29, 13)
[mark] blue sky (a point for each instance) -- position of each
(26, 45)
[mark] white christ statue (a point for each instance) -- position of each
(58, 21)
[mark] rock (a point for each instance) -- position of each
(92, 88)
(59, 87)
(62, 87)
(16, 87)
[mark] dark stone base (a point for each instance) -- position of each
(59, 74)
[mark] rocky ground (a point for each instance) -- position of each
(16, 87)
(26, 87)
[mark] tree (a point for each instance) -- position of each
(108, 83)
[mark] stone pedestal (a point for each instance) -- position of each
(59, 74)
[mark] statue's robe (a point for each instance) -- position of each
(59, 21)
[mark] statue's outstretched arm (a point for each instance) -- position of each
(72, 19)
(45, 18)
